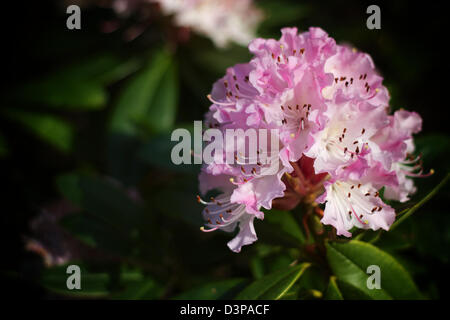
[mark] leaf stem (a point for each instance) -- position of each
(420, 203)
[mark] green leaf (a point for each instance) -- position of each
(257, 267)
(282, 229)
(349, 292)
(273, 286)
(349, 262)
(46, 127)
(420, 203)
(286, 223)
(333, 292)
(157, 150)
(135, 285)
(93, 285)
(186, 208)
(149, 99)
(98, 234)
(103, 199)
(312, 284)
(124, 163)
(218, 290)
(80, 86)
(145, 288)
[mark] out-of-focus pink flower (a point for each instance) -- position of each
(223, 21)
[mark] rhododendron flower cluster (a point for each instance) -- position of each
(331, 111)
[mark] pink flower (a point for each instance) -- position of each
(396, 146)
(355, 77)
(351, 204)
(354, 201)
(329, 106)
(222, 213)
(245, 188)
(343, 143)
(239, 203)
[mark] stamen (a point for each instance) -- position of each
(219, 103)
(208, 230)
(200, 200)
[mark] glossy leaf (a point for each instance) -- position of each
(93, 285)
(149, 99)
(156, 152)
(333, 292)
(286, 223)
(273, 286)
(80, 86)
(103, 199)
(46, 127)
(98, 234)
(280, 228)
(135, 285)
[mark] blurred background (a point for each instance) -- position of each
(85, 124)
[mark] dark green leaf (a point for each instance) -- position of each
(226, 289)
(98, 234)
(333, 292)
(157, 151)
(93, 285)
(79, 86)
(349, 262)
(273, 286)
(285, 222)
(46, 127)
(135, 286)
(149, 99)
(103, 199)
